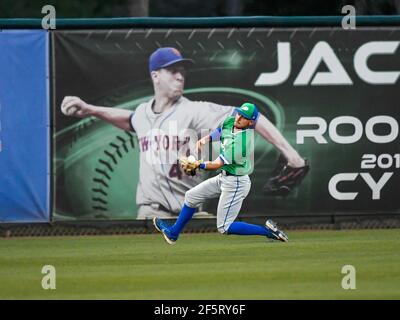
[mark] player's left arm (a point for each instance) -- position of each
(270, 133)
(212, 165)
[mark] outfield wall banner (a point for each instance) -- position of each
(333, 93)
(24, 126)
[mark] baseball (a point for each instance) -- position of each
(71, 110)
(191, 159)
(68, 110)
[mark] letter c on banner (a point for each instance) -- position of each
(334, 182)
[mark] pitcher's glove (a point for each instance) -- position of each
(285, 178)
(189, 166)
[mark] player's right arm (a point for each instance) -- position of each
(76, 107)
(213, 136)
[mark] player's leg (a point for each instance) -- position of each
(234, 191)
(193, 198)
(270, 230)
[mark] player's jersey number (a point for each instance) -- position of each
(175, 171)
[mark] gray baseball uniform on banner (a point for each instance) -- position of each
(162, 186)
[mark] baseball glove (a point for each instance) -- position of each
(285, 178)
(189, 167)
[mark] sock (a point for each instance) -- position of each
(243, 228)
(184, 216)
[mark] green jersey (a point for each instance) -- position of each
(237, 148)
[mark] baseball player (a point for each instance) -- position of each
(159, 125)
(232, 185)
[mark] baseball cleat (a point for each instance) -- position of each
(278, 234)
(163, 227)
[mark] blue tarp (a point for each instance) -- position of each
(24, 126)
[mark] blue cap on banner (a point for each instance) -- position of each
(165, 57)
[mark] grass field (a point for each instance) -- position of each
(204, 266)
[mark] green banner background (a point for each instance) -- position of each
(109, 67)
